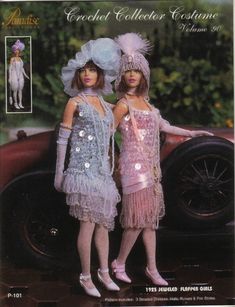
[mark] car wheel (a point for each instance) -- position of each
(198, 183)
(39, 228)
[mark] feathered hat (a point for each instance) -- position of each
(18, 45)
(134, 48)
(104, 53)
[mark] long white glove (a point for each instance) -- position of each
(200, 133)
(62, 143)
(166, 127)
(10, 73)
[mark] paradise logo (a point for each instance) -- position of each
(15, 18)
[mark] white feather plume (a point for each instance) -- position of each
(133, 42)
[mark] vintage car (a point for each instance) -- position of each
(197, 182)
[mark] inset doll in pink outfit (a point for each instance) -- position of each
(140, 124)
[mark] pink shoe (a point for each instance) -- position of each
(119, 271)
(155, 277)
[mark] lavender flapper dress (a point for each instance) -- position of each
(16, 71)
(139, 163)
(90, 190)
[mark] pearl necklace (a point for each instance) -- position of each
(105, 139)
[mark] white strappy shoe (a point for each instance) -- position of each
(16, 106)
(20, 105)
(109, 286)
(90, 291)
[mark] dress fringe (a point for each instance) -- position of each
(74, 184)
(85, 215)
(142, 209)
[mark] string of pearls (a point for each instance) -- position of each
(105, 138)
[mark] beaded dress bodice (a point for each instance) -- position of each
(140, 149)
(18, 66)
(90, 140)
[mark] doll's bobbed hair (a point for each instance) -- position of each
(77, 83)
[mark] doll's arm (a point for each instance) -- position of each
(120, 110)
(24, 73)
(165, 126)
(10, 70)
(62, 142)
(68, 113)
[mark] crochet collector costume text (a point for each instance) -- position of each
(184, 19)
(177, 13)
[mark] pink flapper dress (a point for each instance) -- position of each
(139, 163)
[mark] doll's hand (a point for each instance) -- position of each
(58, 181)
(200, 133)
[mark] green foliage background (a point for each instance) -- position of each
(192, 73)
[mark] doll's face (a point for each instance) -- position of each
(132, 78)
(17, 52)
(88, 76)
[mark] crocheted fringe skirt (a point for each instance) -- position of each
(92, 209)
(92, 199)
(141, 209)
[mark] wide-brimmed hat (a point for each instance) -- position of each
(105, 53)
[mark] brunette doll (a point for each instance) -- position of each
(88, 124)
(140, 124)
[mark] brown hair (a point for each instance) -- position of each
(141, 88)
(76, 81)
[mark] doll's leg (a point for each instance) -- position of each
(129, 238)
(84, 249)
(149, 239)
(102, 245)
(20, 99)
(15, 100)
(10, 98)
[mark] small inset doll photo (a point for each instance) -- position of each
(18, 74)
